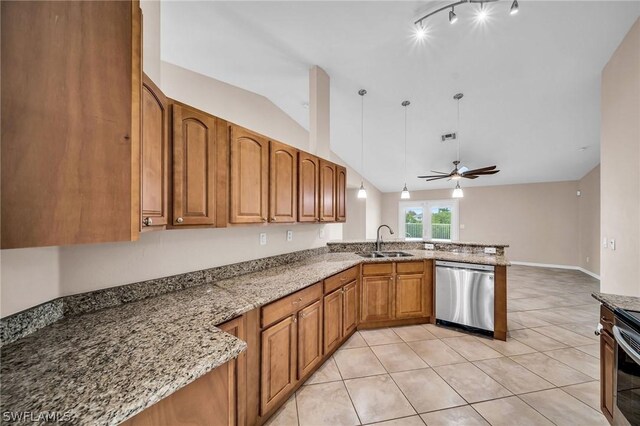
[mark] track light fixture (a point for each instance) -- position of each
(481, 15)
(514, 7)
(452, 16)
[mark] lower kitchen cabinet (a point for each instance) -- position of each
(607, 363)
(309, 338)
(279, 361)
(396, 292)
(333, 318)
(350, 308)
(340, 308)
(209, 400)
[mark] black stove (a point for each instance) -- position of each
(626, 331)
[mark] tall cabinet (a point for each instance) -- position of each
(70, 144)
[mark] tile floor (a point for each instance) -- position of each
(545, 373)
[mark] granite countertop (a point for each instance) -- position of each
(403, 240)
(106, 366)
(613, 301)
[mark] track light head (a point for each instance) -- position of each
(514, 7)
(452, 16)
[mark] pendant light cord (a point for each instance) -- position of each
(405, 145)
(362, 134)
(458, 151)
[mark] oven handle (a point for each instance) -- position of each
(622, 343)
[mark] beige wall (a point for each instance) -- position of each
(620, 171)
(356, 226)
(538, 220)
(589, 221)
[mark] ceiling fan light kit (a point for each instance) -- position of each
(481, 15)
(459, 172)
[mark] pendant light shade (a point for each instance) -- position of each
(457, 192)
(514, 7)
(362, 193)
(405, 193)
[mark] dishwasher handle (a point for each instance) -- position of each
(461, 265)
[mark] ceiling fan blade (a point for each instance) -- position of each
(436, 178)
(488, 172)
(442, 173)
(470, 176)
(474, 171)
(432, 176)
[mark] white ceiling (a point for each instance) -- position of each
(531, 81)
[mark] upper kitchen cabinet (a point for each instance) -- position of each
(341, 194)
(249, 177)
(308, 186)
(327, 191)
(71, 104)
(155, 156)
(283, 183)
(199, 168)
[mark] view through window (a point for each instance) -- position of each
(435, 220)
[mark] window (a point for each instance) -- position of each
(429, 220)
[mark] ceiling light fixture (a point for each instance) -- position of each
(362, 193)
(514, 7)
(452, 16)
(481, 15)
(405, 192)
(457, 192)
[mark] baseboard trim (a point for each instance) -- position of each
(550, 265)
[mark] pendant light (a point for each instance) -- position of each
(405, 195)
(362, 193)
(457, 192)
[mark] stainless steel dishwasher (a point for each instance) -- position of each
(465, 296)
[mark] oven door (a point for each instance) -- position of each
(627, 406)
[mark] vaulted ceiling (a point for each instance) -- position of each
(531, 81)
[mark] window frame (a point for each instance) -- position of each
(426, 206)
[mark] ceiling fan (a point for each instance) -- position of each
(462, 172)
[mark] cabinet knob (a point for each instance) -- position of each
(321, 219)
(273, 219)
(147, 221)
(179, 220)
(264, 219)
(295, 319)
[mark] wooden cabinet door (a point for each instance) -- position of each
(327, 191)
(607, 373)
(194, 167)
(350, 304)
(411, 296)
(283, 183)
(341, 194)
(333, 317)
(376, 303)
(308, 186)
(249, 177)
(155, 156)
(238, 393)
(278, 369)
(309, 338)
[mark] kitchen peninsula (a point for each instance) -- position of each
(131, 361)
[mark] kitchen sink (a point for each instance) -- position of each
(378, 254)
(395, 254)
(370, 254)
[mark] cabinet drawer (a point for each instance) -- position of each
(290, 304)
(340, 279)
(377, 269)
(606, 319)
(410, 267)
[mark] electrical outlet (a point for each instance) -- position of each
(612, 244)
(263, 238)
(462, 226)
(490, 250)
(289, 235)
(429, 246)
(321, 233)
(588, 259)
(604, 242)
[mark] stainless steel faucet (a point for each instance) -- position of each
(379, 238)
